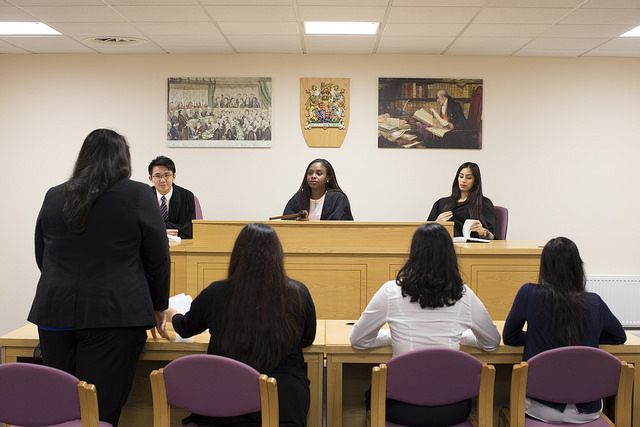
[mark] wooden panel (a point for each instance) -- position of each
(336, 289)
(497, 285)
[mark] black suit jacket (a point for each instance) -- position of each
(114, 274)
(455, 115)
(182, 209)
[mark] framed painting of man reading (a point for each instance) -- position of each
(429, 113)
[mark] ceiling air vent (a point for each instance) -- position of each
(116, 41)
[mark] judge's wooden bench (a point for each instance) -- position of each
(343, 263)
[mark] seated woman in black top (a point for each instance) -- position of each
(320, 195)
(260, 317)
(467, 202)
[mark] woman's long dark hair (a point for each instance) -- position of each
(263, 313)
(474, 198)
(332, 185)
(562, 281)
(104, 159)
(431, 274)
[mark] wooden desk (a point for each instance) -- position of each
(19, 344)
(353, 259)
(339, 351)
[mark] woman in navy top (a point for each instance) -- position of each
(560, 312)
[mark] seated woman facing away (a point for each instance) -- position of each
(560, 312)
(260, 317)
(427, 305)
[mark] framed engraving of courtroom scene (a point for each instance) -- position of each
(219, 112)
(324, 111)
(429, 113)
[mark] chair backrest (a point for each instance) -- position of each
(502, 216)
(198, 208)
(37, 395)
(475, 109)
(430, 377)
(213, 386)
(572, 374)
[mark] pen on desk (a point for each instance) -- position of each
(351, 323)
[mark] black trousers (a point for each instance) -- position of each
(105, 357)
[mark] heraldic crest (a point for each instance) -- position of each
(325, 106)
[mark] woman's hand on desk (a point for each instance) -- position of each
(161, 325)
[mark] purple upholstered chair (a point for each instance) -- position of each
(573, 374)
(37, 395)
(502, 216)
(198, 208)
(433, 376)
(213, 386)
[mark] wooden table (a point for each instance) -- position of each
(20, 343)
(353, 259)
(339, 352)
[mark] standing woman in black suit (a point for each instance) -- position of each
(102, 250)
(467, 202)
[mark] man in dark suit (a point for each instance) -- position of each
(451, 111)
(177, 204)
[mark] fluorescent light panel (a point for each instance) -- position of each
(341, 28)
(632, 33)
(26, 29)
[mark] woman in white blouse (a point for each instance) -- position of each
(428, 305)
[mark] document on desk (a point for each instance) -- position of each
(466, 234)
(181, 303)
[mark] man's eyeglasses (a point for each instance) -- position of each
(166, 176)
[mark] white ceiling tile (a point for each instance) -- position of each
(74, 14)
(8, 48)
(419, 30)
(248, 2)
(153, 2)
(549, 52)
(250, 14)
(433, 3)
(50, 45)
(192, 49)
(493, 51)
(145, 48)
(162, 13)
(339, 43)
(504, 30)
(490, 42)
(365, 3)
(441, 15)
(274, 44)
(341, 13)
(603, 16)
(617, 47)
(13, 14)
(101, 29)
(259, 28)
(520, 15)
(194, 41)
(584, 31)
(535, 3)
(613, 4)
(565, 43)
(56, 3)
(430, 46)
(178, 28)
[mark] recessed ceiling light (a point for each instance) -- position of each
(341, 28)
(632, 33)
(26, 29)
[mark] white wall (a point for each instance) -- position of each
(560, 143)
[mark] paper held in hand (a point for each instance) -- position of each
(466, 234)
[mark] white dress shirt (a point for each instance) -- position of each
(412, 327)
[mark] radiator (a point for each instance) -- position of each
(622, 295)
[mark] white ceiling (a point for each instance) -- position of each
(568, 28)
